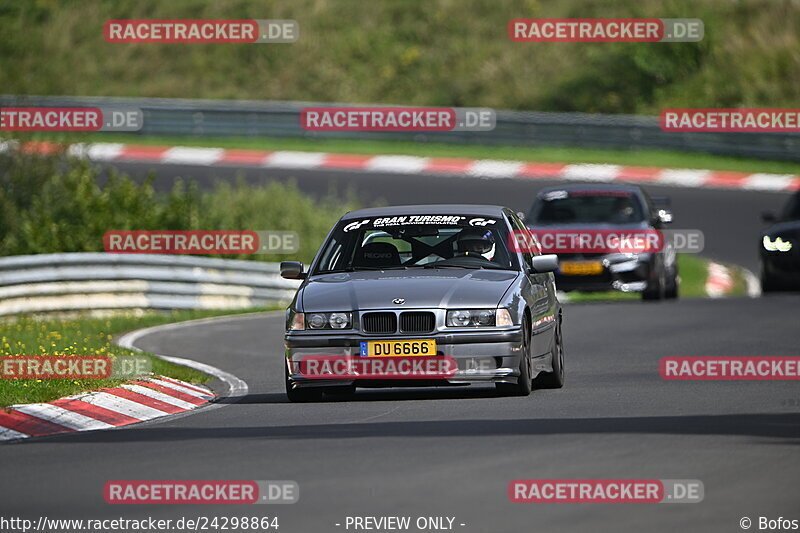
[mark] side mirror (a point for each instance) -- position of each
(521, 215)
(545, 263)
(665, 216)
(768, 216)
(292, 270)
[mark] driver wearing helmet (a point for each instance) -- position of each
(472, 242)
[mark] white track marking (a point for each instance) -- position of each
(184, 390)
(192, 156)
(771, 182)
(682, 177)
(295, 159)
(10, 434)
(494, 168)
(61, 416)
(591, 172)
(197, 388)
(97, 151)
(123, 406)
(402, 164)
(160, 396)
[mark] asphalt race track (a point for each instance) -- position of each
(452, 452)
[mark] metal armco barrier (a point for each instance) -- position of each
(221, 118)
(99, 281)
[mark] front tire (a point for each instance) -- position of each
(554, 379)
(672, 291)
(656, 292)
(523, 386)
(298, 395)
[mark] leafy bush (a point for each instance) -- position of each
(51, 204)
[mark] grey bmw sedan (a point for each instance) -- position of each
(427, 295)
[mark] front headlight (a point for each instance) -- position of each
(328, 320)
(471, 317)
(339, 320)
(778, 245)
(317, 320)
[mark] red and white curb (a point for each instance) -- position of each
(433, 166)
(719, 281)
(132, 402)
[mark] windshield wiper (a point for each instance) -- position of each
(434, 265)
(357, 269)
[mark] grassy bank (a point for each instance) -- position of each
(451, 52)
(82, 336)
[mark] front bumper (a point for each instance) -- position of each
(626, 276)
(482, 357)
(782, 267)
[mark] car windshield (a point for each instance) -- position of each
(576, 207)
(417, 241)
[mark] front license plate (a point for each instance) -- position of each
(419, 347)
(581, 268)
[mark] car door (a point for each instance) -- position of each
(542, 298)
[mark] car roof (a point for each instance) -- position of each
(635, 189)
(429, 209)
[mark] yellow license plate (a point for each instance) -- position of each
(419, 347)
(581, 268)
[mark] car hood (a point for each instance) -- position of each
(789, 229)
(447, 288)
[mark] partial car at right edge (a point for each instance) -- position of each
(779, 248)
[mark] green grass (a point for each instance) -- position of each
(83, 336)
(444, 53)
(645, 158)
(693, 273)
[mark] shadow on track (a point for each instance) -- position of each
(377, 395)
(764, 426)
